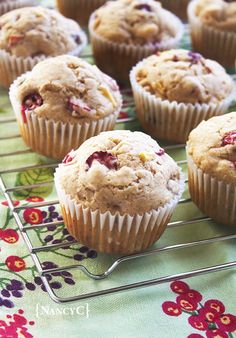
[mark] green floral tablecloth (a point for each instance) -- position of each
(202, 306)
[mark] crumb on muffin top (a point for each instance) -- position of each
(212, 146)
(184, 76)
(67, 89)
(120, 171)
(135, 22)
(36, 31)
(217, 13)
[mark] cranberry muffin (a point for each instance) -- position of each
(63, 101)
(29, 35)
(211, 150)
(118, 191)
(175, 90)
(125, 31)
(213, 29)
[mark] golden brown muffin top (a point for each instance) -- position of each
(212, 146)
(184, 76)
(217, 13)
(36, 31)
(67, 89)
(134, 22)
(120, 171)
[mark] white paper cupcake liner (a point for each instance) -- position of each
(117, 59)
(114, 233)
(56, 139)
(171, 121)
(7, 6)
(178, 7)
(11, 66)
(213, 197)
(79, 10)
(211, 42)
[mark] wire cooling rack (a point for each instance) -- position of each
(36, 250)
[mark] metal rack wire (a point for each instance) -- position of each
(35, 250)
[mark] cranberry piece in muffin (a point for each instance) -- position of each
(144, 7)
(30, 102)
(77, 107)
(229, 138)
(104, 158)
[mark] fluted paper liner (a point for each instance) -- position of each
(117, 59)
(55, 139)
(213, 197)
(171, 121)
(7, 6)
(12, 66)
(114, 233)
(213, 43)
(79, 10)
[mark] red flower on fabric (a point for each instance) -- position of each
(186, 303)
(179, 287)
(227, 322)
(198, 322)
(10, 236)
(210, 317)
(15, 326)
(215, 305)
(171, 309)
(194, 295)
(35, 199)
(209, 314)
(15, 203)
(216, 333)
(15, 263)
(33, 216)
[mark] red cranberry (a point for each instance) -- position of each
(14, 39)
(77, 106)
(104, 158)
(30, 102)
(144, 7)
(68, 158)
(175, 58)
(229, 138)
(161, 152)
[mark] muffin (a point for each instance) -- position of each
(211, 151)
(179, 7)
(79, 10)
(213, 29)
(118, 191)
(123, 32)
(29, 35)
(175, 90)
(9, 5)
(63, 101)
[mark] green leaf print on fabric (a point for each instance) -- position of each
(34, 176)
